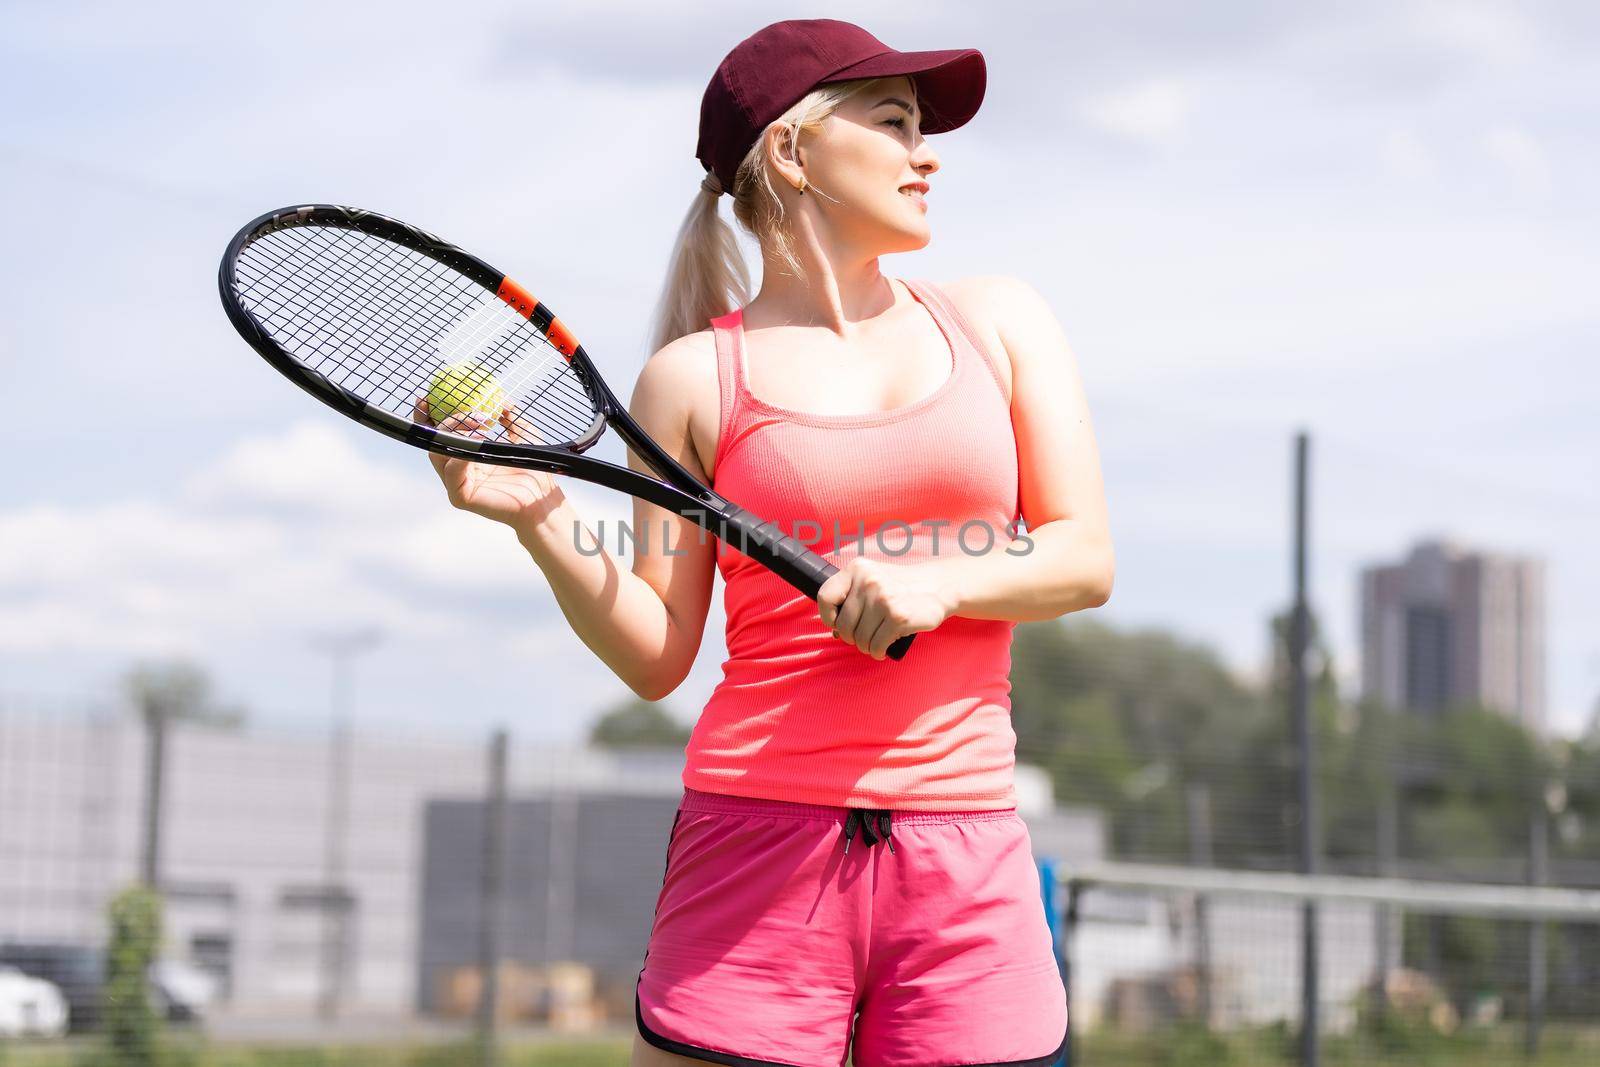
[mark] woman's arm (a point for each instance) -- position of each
(1071, 564)
(645, 624)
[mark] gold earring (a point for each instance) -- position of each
(802, 185)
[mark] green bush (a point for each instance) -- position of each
(133, 1030)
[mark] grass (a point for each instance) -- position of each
(610, 1052)
(1182, 1046)
(1278, 1047)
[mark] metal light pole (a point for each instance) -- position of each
(155, 727)
(1300, 703)
(343, 648)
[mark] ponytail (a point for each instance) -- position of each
(706, 273)
(707, 276)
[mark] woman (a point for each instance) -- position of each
(901, 428)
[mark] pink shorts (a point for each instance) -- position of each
(924, 944)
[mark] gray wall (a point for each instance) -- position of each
(608, 855)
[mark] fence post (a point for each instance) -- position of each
(494, 829)
(1198, 798)
(1538, 874)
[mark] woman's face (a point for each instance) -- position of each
(866, 154)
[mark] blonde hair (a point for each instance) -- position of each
(707, 276)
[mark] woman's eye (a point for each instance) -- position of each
(897, 123)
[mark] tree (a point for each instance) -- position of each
(178, 691)
(1580, 823)
(164, 693)
(1129, 721)
(638, 723)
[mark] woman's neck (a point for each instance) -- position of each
(836, 292)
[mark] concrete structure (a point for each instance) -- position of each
(245, 836)
(1134, 953)
(584, 870)
(1448, 626)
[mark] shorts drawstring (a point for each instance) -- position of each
(865, 818)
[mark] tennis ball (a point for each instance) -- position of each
(462, 387)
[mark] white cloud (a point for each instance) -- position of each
(284, 537)
(47, 543)
(274, 531)
(1522, 156)
(1151, 113)
(1406, 156)
(1493, 32)
(312, 469)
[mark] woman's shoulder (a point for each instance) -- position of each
(982, 299)
(677, 365)
(679, 392)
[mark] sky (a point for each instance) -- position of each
(1373, 221)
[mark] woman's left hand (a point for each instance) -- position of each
(871, 604)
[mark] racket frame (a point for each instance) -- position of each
(681, 492)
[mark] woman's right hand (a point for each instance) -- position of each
(505, 494)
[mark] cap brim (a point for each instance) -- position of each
(950, 82)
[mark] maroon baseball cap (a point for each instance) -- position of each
(770, 70)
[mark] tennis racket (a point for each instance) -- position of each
(369, 314)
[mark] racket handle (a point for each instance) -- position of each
(788, 558)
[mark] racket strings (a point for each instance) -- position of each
(347, 310)
(563, 389)
(381, 304)
(388, 324)
(560, 392)
(354, 304)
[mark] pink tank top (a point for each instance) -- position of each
(800, 715)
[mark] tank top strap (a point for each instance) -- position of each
(962, 336)
(726, 331)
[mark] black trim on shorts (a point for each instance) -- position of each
(666, 1044)
(1049, 1059)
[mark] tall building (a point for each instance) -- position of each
(1450, 626)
